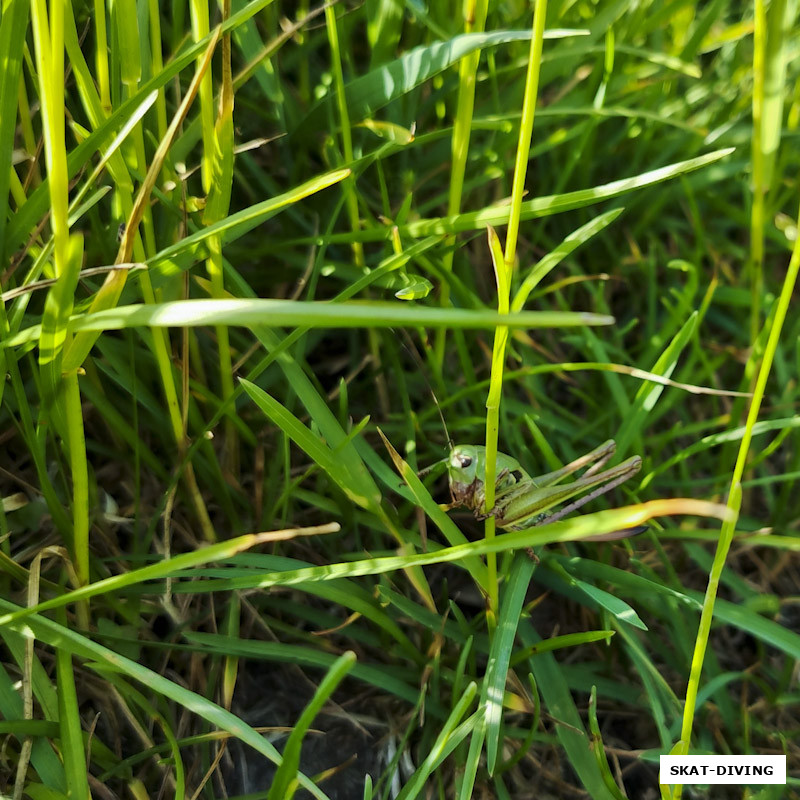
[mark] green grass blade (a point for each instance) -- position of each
(367, 94)
(181, 254)
(13, 25)
(557, 255)
(78, 645)
(70, 726)
(649, 393)
(284, 784)
(494, 682)
(360, 489)
(283, 313)
(450, 736)
(561, 707)
(538, 207)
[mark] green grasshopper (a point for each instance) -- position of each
(524, 502)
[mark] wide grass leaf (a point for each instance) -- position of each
(372, 91)
(284, 784)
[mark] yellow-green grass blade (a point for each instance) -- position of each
(344, 593)
(169, 566)
(563, 531)
(109, 293)
(715, 439)
(217, 167)
(384, 24)
(28, 215)
(558, 254)
(53, 338)
(343, 111)
(538, 207)
(13, 25)
(178, 256)
(422, 497)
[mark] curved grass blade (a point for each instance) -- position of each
(285, 783)
(450, 736)
(648, 394)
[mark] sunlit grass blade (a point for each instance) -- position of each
(169, 566)
(539, 207)
(109, 293)
(280, 313)
(564, 531)
(181, 254)
(355, 484)
(556, 256)
(735, 499)
(13, 25)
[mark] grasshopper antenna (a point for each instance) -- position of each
(409, 346)
(411, 349)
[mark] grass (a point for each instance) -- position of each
(243, 245)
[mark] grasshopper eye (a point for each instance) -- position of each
(465, 461)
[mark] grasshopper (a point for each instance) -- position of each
(524, 502)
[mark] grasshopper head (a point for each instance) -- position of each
(465, 471)
(463, 463)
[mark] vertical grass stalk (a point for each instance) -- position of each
(771, 31)
(351, 199)
(200, 29)
(757, 156)
(219, 200)
(48, 36)
(503, 268)
(734, 502)
(101, 56)
(475, 12)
